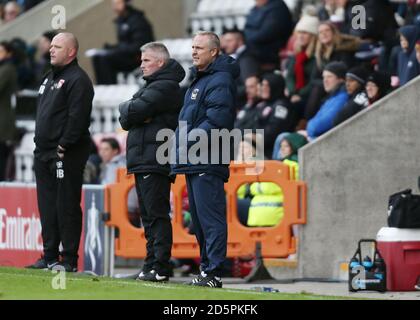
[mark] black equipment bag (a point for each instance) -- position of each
(404, 210)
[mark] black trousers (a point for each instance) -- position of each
(59, 188)
(107, 67)
(153, 192)
(4, 155)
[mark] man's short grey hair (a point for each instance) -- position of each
(157, 48)
(214, 40)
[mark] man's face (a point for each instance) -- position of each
(231, 42)
(202, 54)
(352, 85)
(60, 50)
(418, 54)
(150, 63)
(251, 87)
(118, 6)
(331, 81)
(106, 152)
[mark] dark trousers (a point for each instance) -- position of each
(207, 203)
(4, 155)
(153, 192)
(107, 67)
(59, 195)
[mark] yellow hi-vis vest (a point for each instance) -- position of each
(266, 208)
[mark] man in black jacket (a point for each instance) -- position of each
(155, 107)
(62, 147)
(133, 31)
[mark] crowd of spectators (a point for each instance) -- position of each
(310, 75)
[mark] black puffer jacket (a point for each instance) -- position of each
(154, 107)
(133, 31)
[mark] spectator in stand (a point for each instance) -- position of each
(234, 45)
(333, 78)
(43, 64)
(11, 11)
(380, 21)
(22, 61)
(133, 31)
(331, 46)
(418, 51)
(335, 11)
(381, 27)
(112, 159)
(355, 86)
(1, 13)
(267, 30)
(378, 85)
(247, 117)
(408, 66)
(8, 85)
(300, 66)
(276, 112)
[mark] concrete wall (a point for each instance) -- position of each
(350, 172)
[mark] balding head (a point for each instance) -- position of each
(64, 48)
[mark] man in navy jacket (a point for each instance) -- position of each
(209, 104)
(267, 30)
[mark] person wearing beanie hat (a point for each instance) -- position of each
(338, 68)
(276, 113)
(300, 66)
(355, 85)
(358, 74)
(333, 79)
(308, 24)
(378, 85)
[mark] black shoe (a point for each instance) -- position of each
(198, 278)
(64, 266)
(153, 276)
(209, 281)
(417, 286)
(42, 264)
(141, 275)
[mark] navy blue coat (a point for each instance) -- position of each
(408, 67)
(268, 29)
(208, 104)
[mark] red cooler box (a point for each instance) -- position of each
(400, 249)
